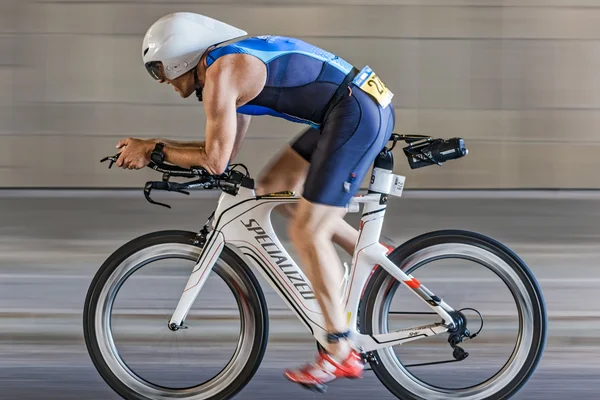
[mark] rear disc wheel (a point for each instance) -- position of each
(498, 260)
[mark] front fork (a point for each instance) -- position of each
(210, 254)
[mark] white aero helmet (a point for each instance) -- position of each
(178, 41)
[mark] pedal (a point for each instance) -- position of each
(369, 358)
(319, 388)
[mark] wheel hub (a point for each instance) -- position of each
(174, 327)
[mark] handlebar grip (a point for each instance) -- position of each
(162, 185)
(167, 186)
(158, 185)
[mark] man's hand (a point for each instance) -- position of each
(135, 153)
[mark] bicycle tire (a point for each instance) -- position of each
(381, 280)
(246, 284)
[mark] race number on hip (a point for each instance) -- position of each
(369, 82)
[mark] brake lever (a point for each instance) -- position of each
(147, 190)
(112, 159)
(168, 186)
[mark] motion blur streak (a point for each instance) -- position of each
(53, 242)
(517, 79)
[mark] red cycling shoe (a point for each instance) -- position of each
(315, 376)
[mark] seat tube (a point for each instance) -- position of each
(374, 211)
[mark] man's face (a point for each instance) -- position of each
(184, 85)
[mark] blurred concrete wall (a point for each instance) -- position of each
(518, 79)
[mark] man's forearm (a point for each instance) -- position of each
(180, 144)
(188, 157)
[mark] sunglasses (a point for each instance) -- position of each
(154, 68)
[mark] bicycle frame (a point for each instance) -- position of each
(243, 221)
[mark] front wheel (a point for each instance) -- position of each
(458, 285)
(126, 324)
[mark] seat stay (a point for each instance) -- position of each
(369, 253)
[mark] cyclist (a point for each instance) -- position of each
(350, 119)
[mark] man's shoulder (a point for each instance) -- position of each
(271, 42)
(237, 68)
(233, 61)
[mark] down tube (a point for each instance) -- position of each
(253, 235)
(208, 257)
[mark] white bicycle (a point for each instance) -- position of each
(238, 235)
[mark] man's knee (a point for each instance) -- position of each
(266, 182)
(307, 231)
(286, 172)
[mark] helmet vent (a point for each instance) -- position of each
(146, 51)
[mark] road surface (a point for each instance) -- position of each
(52, 243)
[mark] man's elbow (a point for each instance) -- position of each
(217, 167)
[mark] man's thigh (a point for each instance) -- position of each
(351, 137)
(288, 169)
(318, 219)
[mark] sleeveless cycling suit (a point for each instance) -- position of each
(303, 85)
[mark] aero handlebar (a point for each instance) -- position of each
(420, 151)
(228, 181)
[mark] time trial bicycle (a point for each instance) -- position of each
(239, 235)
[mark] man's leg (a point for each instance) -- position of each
(311, 231)
(288, 171)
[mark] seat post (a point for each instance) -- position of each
(382, 167)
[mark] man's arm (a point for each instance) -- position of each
(221, 132)
(230, 83)
(243, 121)
(180, 144)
